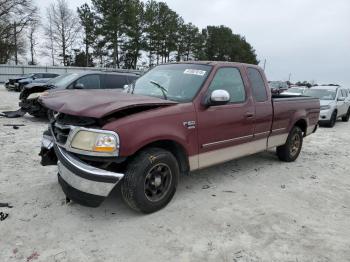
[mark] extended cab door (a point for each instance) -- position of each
(263, 104)
(225, 130)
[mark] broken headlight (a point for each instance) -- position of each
(34, 95)
(96, 141)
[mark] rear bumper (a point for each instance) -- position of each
(84, 184)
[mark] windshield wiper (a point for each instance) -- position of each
(164, 91)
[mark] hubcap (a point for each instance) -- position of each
(295, 144)
(157, 182)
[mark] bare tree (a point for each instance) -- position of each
(63, 28)
(15, 15)
(32, 30)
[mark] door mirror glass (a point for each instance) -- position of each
(79, 86)
(219, 97)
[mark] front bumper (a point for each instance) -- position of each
(325, 115)
(84, 184)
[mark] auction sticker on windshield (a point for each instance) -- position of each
(194, 72)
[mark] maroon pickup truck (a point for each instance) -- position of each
(174, 119)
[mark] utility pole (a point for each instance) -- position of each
(264, 64)
(15, 42)
(290, 76)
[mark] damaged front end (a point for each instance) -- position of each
(29, 100)
(86, 177)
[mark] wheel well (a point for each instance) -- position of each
(176, 149)
(302, 125)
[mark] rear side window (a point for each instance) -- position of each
(115, 81)
(229, 79)
(257, 85)
(89, 82)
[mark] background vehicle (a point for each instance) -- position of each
(17, 84)
(278, 87)
(35, 78)
(295, 91)
(335, 103)
(174, 119)
(85, 80)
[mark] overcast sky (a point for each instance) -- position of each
(309, 39)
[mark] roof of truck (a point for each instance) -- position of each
(214, 63)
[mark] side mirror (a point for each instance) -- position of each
(218, 97)
(341, 99)
(79, 86)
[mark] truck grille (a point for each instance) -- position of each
(61, 133)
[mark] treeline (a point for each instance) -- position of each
(117, 33)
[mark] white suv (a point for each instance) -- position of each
(335, 103)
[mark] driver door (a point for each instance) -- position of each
(222, 130)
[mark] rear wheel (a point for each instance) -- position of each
(150, 180)
(346, 117)
(290, 151)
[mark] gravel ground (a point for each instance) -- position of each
(252, 209)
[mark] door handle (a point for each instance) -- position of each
(249, 115)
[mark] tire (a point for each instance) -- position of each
(290, 151)
(42, 113)
(346, 117)
(150, 180)
(333, 119)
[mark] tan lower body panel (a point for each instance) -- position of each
(229, 153)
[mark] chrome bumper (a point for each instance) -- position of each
(85, 178)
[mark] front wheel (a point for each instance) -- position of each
(346, 117)
(150, 180)
(290, 151)
(333, 119)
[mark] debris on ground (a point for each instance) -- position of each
(3, 216)
(205, 187)
(283, 186)
(33, 256)
(313, 177)
(5, 205)
(14, 126)
(13, 114)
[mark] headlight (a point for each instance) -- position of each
(35, 95)
(95, 142)
(325, 107)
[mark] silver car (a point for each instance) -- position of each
(335, 103)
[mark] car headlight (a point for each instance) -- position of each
(34, 95)
(96, 142)
(325, 107)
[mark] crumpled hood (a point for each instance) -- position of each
(97, 103)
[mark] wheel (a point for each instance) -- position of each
(333, 119)
(290, 151)
(346, 117)
(150, 180)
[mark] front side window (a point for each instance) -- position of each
(229, 79)
(88, 82)
(115, 81)
(175, 82)
(257, 85)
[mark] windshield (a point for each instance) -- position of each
(322, 94)
(63, 80)
(175, 82)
